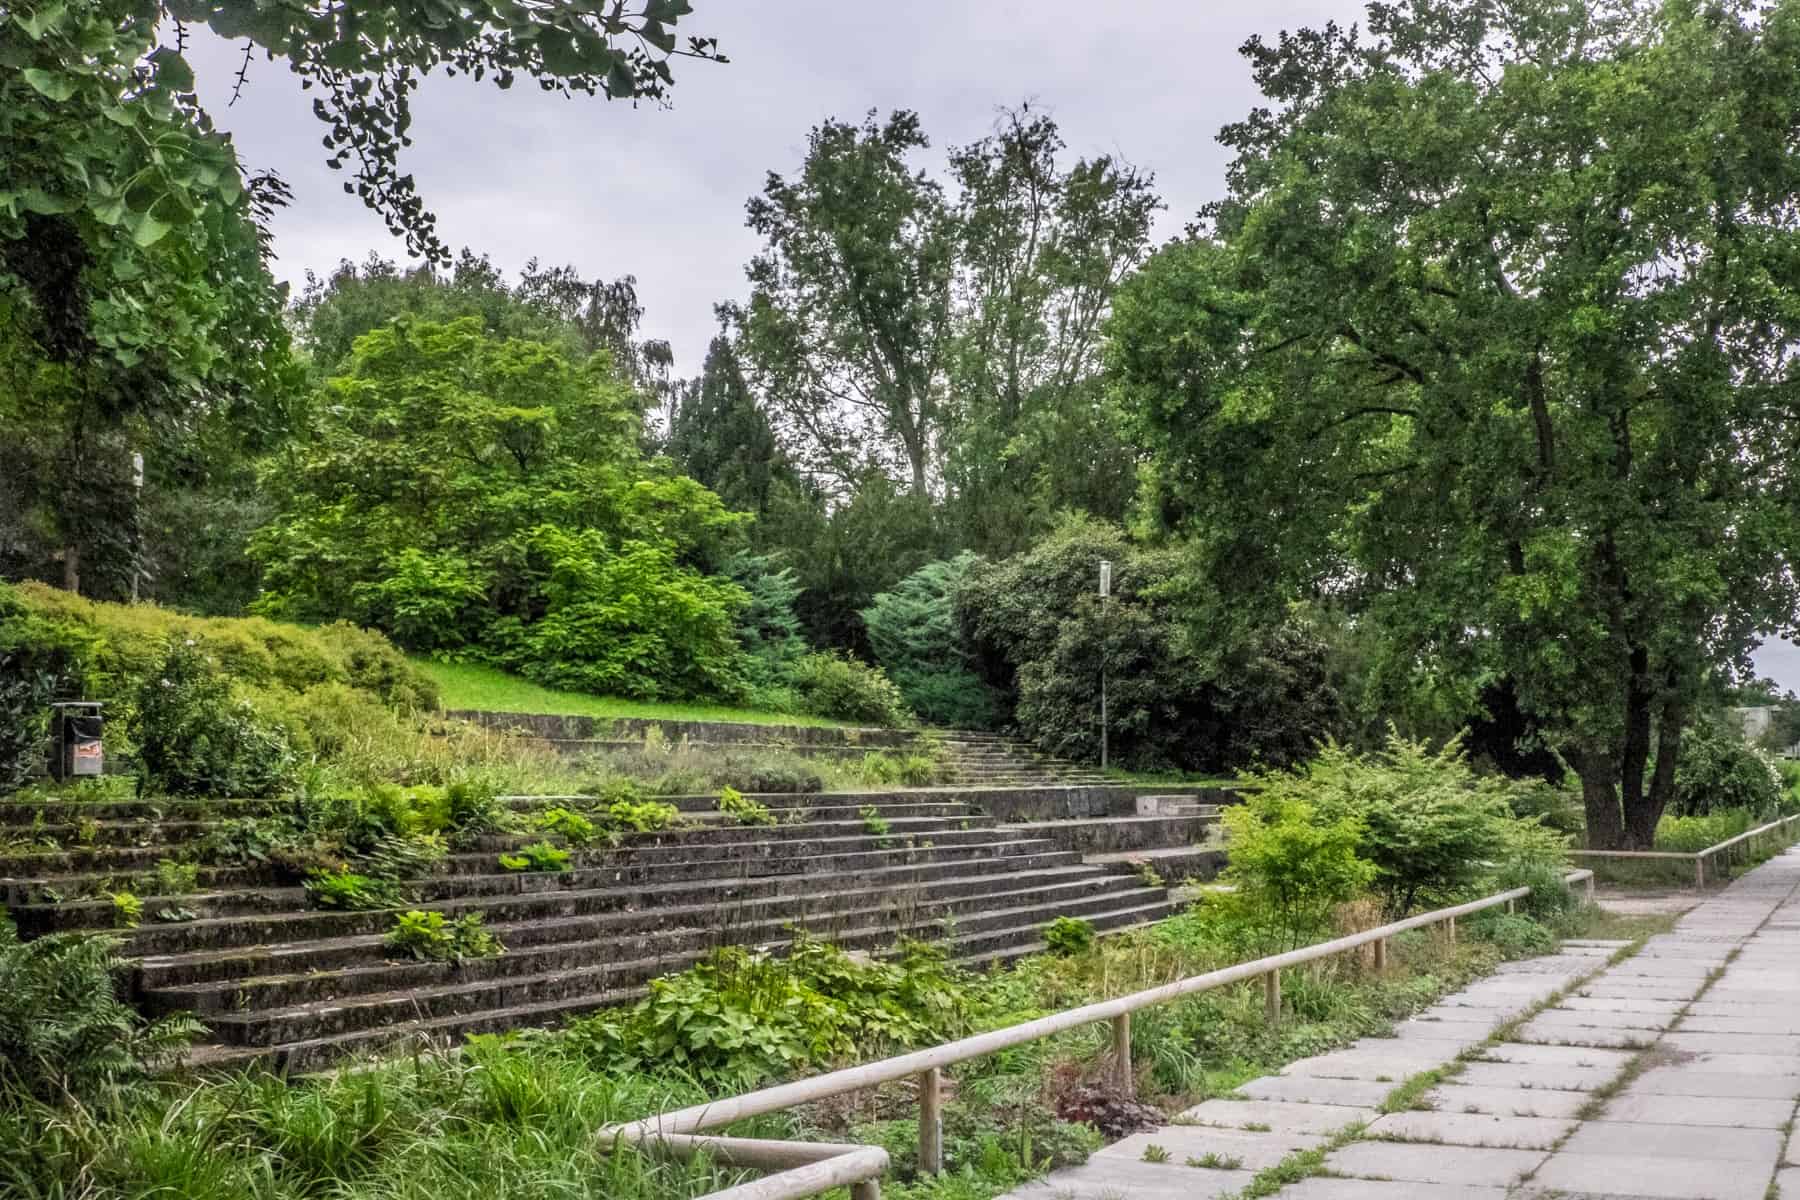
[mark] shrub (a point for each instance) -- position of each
(572, 827)
(1551, 899)
(349, 890)
(840, 688)
(1428, 824)
(431, 936)
(1291, 864)
(127, 910)
(175, 878)
(1717, 769)
(646, 816)
(744, 810)
(1516, 935)
(538, 856)
(33, 660)
(402, 856)
(1040, 632)
(195, 739)
(65, 1037)
(1069, 935)
(916, 637)
(1689, 835)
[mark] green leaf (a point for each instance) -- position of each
(56, 87)
(37, 24)
(146, 230)
(172, 70)
(37, 200)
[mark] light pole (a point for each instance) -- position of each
(1105, 595)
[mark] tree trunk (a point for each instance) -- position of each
(71, 557)
(1641, 818)
(1600, 799)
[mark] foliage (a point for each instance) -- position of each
(538, 856)
(1178, 694)
(1689, 835)
(989, 1147)
(741, 1016)
(1427, 824)
(1551, 902)
(721, 437)
(743, 809)
(195, 739)
(571, 827)
(874, 824)
(405, 856)
(1514, 934)
(433, 937)
(1291, 863)
(767, 627)
(65, 1036)
(176, 878)
(351, 891)
(1069, 935)
(1466, 343)
(1717, 769)
(35, 657)
(1109, 1111)
(127, 910)
(487, 497)
(918, 641)
(837, 686)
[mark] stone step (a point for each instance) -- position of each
(954, 878)
(317, 1053)
(264, 1009)
(16, 813)
(1093, 835)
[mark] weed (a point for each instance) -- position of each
(874, 824)
(176, 879)
(349, 890)
(1069, 935)
(539, 856)
(431, 936)
(1214, 1161)
(127, 910)
(1154, 1153)
(746, 811)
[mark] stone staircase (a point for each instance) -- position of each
(280, 982)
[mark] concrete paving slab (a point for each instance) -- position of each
(1728, 1111)
(1505, 1101)
(1787, 1183)
(1300, 1089)
(1791, 1156)
(1472, 1129)
(1461, 1166)
(1558, 1056)
(1698, 1081)
(1526, 1076)
(1573, 1018)
(1468, 1033)
(1743, 1147)
(1787, 1024)
(1139, 1181)
(1394, 1066)
(1742, 1064)
(1760, 1044)
(1231, 1149)
(1326, 1188)
(1281, 1116)
(1604, 1005)
(1568, 1176)
(1546, 1034)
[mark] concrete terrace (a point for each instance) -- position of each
(1671, 1075)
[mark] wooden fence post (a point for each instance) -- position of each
(1123, 1077)
(931, 1121)
(1272, 997)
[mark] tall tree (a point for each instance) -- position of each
(1040, 249)
(720, 436)
(1497, 331)
(848, 324)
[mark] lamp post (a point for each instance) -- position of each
(1105, 595)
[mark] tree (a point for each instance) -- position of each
(1496, 334)
(1040, 250)
(918, 641)
(487, 497)
(722, 438)
(848, 323)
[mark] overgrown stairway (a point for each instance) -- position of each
(279, 981)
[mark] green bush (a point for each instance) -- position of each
(1689, 835)
(352, 891)
(1515, 934)
(840, 688)
(1069, 935)
(743, 809)
(1039, 633)
(568, 825)
(196, 739)
(1717, 769)
(918, 641)
(433, 937)
(1292, 864)
(741, 1016)
(65, 1037)
(538, 856)
(1431, 827)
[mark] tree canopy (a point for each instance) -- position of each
(1495, 333)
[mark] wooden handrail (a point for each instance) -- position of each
(1696, 857)
(673, 1133)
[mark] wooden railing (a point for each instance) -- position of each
(1781, 831)
(807, 1168)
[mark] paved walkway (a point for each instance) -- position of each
(1673, 1075)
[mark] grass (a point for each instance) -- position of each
(467, 685)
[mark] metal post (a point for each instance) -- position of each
(1105, 628)
(1381, 954)
(931, 1121)
(1123, 1077)
(1272, 997)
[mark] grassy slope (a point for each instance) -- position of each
(464, 685)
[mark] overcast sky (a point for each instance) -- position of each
(659, 192)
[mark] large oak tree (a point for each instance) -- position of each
(1495, 334)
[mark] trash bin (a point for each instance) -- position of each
(76, 727)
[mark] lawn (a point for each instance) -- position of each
(466, 685)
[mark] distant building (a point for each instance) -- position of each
(1755, 722)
